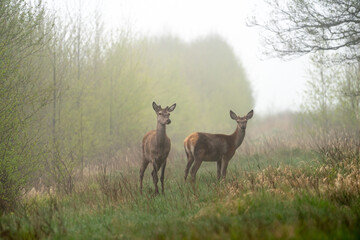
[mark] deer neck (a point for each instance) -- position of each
(160, 134)
(238, 136)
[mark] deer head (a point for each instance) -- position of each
(241, 121)
(163, 114)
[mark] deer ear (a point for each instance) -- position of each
(155, 107)
(250, 115)
(172, 107)
(233, 115)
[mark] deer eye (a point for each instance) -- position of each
(160, 113)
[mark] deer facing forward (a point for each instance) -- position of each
(217, 148)
(156, 146)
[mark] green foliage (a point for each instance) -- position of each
(75, 102)
(196, 76)
(331, 111)
(24, 32)
(106, 112)
(73, 94)
(332, 94)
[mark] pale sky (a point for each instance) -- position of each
(277, 85)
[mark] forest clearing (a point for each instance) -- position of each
(82, 128)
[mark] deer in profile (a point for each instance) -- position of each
(217, 148)
(156, 147)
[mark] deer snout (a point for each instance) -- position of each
(168, 121)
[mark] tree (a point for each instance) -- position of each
(297, 27)
(24, 32)
(320, 93)
(348, 93)
(196, 75)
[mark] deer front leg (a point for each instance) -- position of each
(155, 177)
(142, 170)
(224, 164)
(162, 176)
(218, 169)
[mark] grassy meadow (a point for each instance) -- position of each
(275, 189)
(75, 103)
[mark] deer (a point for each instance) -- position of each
(219, 148)
(156, 147)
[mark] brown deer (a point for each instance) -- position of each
(156, 146)
(217, 148)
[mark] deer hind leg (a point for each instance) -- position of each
(224, 165)
(190, 158)
(194, 169)
(218, 169)
(162, 176)
(155, 177)
(142, 170)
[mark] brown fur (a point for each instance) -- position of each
(156, 147)
(218, 148)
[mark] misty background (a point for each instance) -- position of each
(78, 79)
(276, 85)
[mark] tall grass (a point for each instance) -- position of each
(275, 189)
(275, 202)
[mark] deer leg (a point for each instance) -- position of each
(162, 176)
(142, 170)
(218, 169)
(155, 177)
(194, 169)
(188, 165)
(224, 165)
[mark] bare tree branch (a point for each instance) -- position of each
(300, 27)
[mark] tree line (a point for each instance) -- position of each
(329, 33)
(73, 93)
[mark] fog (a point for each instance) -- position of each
(84, 83)
(277, 85)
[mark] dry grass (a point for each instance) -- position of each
(288, 181)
